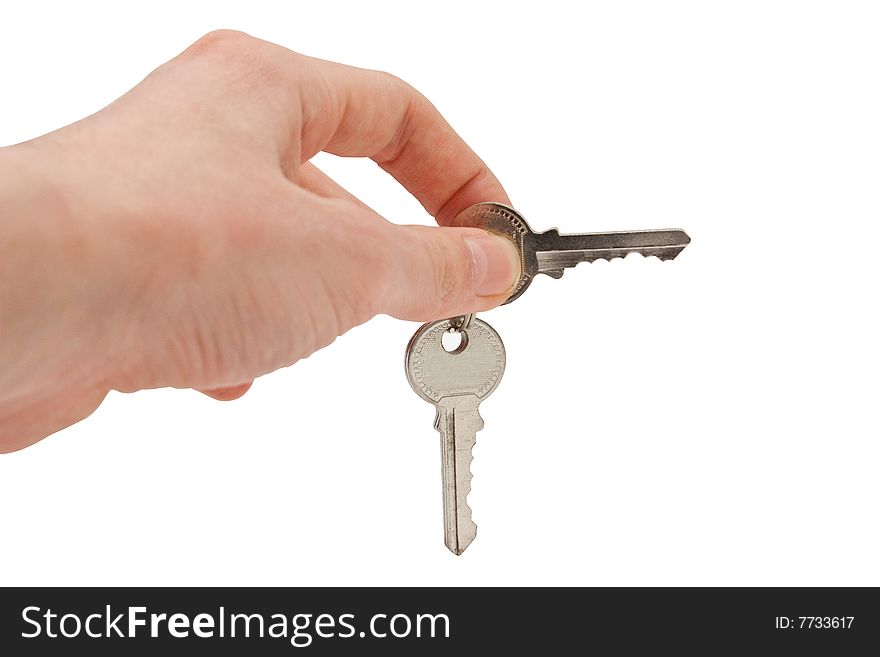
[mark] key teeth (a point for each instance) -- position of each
(622, 256)
(468, 512)
(670, 253)
(459, 549)
(466, 516)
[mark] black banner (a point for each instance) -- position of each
(408, 621)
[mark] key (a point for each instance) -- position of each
(551, 253)
(456, 382)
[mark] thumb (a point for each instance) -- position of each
(444, 272)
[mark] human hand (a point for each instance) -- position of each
(180, 237)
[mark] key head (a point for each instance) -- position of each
(475, 367)
(504, 221)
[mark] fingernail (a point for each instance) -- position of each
(496, 264)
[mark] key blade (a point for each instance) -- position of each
(458, 420)
(554, 252)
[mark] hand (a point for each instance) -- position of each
(180, 236)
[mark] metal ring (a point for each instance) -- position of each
(461, 322)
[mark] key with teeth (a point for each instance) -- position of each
(456, 382)
(551, 253)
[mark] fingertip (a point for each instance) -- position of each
(480, 187)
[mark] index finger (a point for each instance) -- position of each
(357, 112)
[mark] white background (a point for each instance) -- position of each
(711, 420)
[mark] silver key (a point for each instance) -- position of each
(456, 382)
(551, 253)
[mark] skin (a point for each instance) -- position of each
(180, 237)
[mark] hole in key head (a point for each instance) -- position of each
(454, 341)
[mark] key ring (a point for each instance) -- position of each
(461, 322)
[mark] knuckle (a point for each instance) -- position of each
(403, 89)
(222, 41)
(391, 79)
(244, 61)
(413, 103)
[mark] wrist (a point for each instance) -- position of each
(58, 301)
